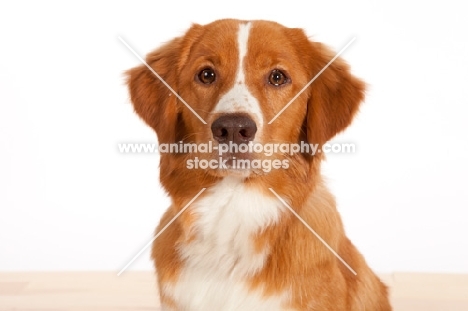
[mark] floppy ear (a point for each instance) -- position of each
(151, 98)
(334, 96)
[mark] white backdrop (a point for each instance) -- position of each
(69, 200)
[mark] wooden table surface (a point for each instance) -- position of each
(136, 291)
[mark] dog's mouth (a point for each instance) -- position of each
(245, 161)
(236, 160)
(233, 157)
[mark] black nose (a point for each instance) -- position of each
(234, 127)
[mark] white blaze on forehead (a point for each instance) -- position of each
(242, 41)
(239, 98)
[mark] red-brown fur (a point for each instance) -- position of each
(317, 279)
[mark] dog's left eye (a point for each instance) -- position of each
(277, 78)
(207, 76)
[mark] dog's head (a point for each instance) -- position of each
(237, 77)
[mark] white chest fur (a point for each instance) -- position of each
(222, 255)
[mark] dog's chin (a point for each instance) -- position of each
(240, 173)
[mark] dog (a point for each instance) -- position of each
(239, 237)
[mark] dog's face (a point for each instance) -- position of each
(237, 76)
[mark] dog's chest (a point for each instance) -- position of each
(219, 261)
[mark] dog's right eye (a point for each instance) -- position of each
(207, 76)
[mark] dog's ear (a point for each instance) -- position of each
(151, 98)
(334, 96)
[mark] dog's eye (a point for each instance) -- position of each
(277, 77)
(207, 76)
